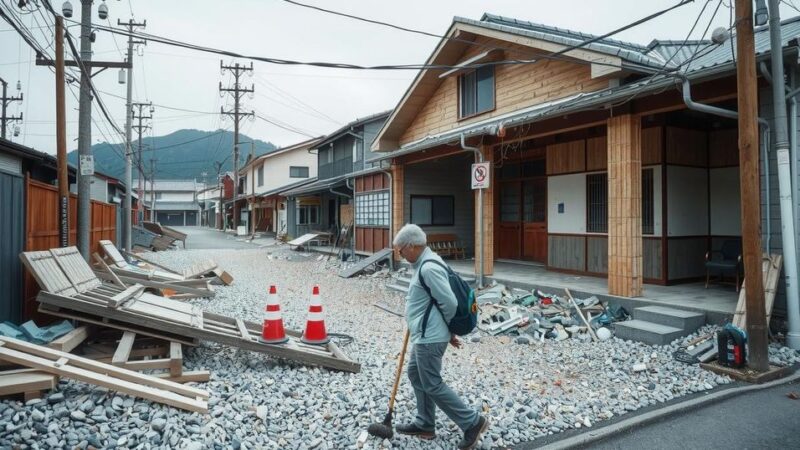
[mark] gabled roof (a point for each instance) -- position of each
(307, 144)
(607, 57)
(711, 61)
(355, 123)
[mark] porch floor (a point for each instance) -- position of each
(718, 300)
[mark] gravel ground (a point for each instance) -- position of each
(529, 390)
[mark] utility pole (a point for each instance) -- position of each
(152, 189)
(5, 100)
(127, 216)
(61, 137)
(141, 128)
(750, 182)
(784, 176)
(86, 159)
(219, 220)
(237, 91)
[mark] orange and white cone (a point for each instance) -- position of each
(315, 325)
(273, 331)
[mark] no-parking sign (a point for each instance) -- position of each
(480, 175)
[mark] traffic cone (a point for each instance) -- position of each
(315, 325)
(273, 331)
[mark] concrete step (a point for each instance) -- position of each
(398, 287)
(689, 321)
(647, 332)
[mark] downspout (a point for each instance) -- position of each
(767, 196)
(391, 214)
(478, 158)
(784, 178)
(793, 146)
(708, 109)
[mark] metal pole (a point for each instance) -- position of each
(85, 134)
(61, 138)
(128, 215)
(784, 176)
(747, 100)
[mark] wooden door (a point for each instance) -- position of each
(534, 219)
(509, 231)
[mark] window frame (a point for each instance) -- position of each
(432, 198)
(299, 167)
(460, 86)
(603, 229)
(648, 214)
(261, 175)
(307, 209)
(372, 206)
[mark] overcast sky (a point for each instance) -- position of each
(313, 100)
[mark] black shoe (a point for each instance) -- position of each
(473, 435)
(413, 430)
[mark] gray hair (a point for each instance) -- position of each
(410, 234)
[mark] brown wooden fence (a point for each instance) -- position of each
(41, 231)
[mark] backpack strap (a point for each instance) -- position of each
(433, 302)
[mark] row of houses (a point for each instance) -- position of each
(601, 164)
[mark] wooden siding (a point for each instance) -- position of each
(624, 206)
(42, 232)
(723, 148)
(516, 86)
(652, 259)
(371, 239)
(374, 182)
(596, 154)
(686, 257)
(687, 147)
(566, 252)
(568, 157)
(597, 254)
(652, 145)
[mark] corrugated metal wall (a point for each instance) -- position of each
(12, 242)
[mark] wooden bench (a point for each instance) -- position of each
(446, 244)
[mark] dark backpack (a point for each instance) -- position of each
(466, 318)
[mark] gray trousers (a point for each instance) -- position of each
(424, 371)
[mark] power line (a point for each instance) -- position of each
(280, 61)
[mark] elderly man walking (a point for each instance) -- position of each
(430, 342)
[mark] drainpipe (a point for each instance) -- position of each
(478, 158)
(793, 143)
(391, 213)
(784, 177)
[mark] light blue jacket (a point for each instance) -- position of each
(417, 301)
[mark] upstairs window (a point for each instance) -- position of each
(298, 172)
(476, 91)
(261, 175)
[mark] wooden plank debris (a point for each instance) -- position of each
(364, 263)
(29, 382)
(771, 271)
(69, 341)
(104, 375)
(304, 239)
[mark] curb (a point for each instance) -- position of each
(649, 417)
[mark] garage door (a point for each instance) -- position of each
(170, 218)
(191, 218)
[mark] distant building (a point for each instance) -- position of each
(176, 201)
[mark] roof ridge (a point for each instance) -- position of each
(488, 17)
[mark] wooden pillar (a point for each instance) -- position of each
(488, 217)
(624, 206)
(398, 206)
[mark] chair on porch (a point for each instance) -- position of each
(725, 261)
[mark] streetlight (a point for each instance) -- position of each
(102, 11)
(66, 9)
